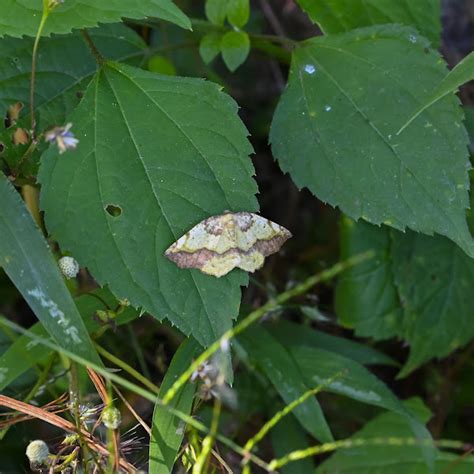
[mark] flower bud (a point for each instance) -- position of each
(111, 417)
(37, 452)
(69, 267)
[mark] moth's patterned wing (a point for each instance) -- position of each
(257, 238)
(208, 246)
(220, 243)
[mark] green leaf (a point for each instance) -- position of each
(162, 65)
(435, 280)
(462, 73)
(216, 11)
(210, 47)
(25, 353)
(64, 68)
(390, 459)
(292, 334)
(238, 12)
(235, 47)
(430, 275)
(469, 124)
(165, 153)
(356, 382)
(22, 18)
(367, 299)
(335, 132)
(280, 369)
(337, 16)
(168, 430)
(27, 260)
(287, 437)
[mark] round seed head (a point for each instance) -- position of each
(37, 452)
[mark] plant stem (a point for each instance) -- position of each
(133, 388)
(358, 442)
(127, 368)
(95, 52)
(44, 17)
(262, 311)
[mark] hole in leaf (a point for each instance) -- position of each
(79, 94)
(2, 147)
(113, 210)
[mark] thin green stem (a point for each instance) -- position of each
(201, 464)
(259, 313)
(127, 368)
(44, 17)
(286, 410)
(135, 389)
(358, 442)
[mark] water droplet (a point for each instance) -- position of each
(412, 38)
(328, 108)
(310, 68)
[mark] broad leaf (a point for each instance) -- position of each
(366, 296)
(22, 18)
(210, 47)
(238, 12)
(356, 382)
(168, 430)
(390, 459)
(216, 11)
(435, 280)
(65, 66)
(235, 47)
(287, 437)
(25, 353)
(462, 73)
(280, 369)
(28, 261)
(336, 16)
(335, 132)
(418, 283)
(157, 155)
(292, 334)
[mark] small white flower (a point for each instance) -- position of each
(63, 137)
(111, 418)
(69, 267)
(37, 452)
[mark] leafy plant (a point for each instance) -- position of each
(128, 123)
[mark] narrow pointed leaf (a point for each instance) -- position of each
(25, 353)
(168, 430)
(23, 18)
(28, 261)
(157, 154)
(356, 382)
(282, 371)
(335, 132)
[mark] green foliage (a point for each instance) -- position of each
(287, 437)
(335, 132)
(124, 158)
(27, 259)
(63, 71)
(337, 16)
(24, 353)
(281, 370)
(391, 459)
(418, 287)
(23, 18)
(167, 429)
(141, 129)
(210, 47)
(235, 47)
